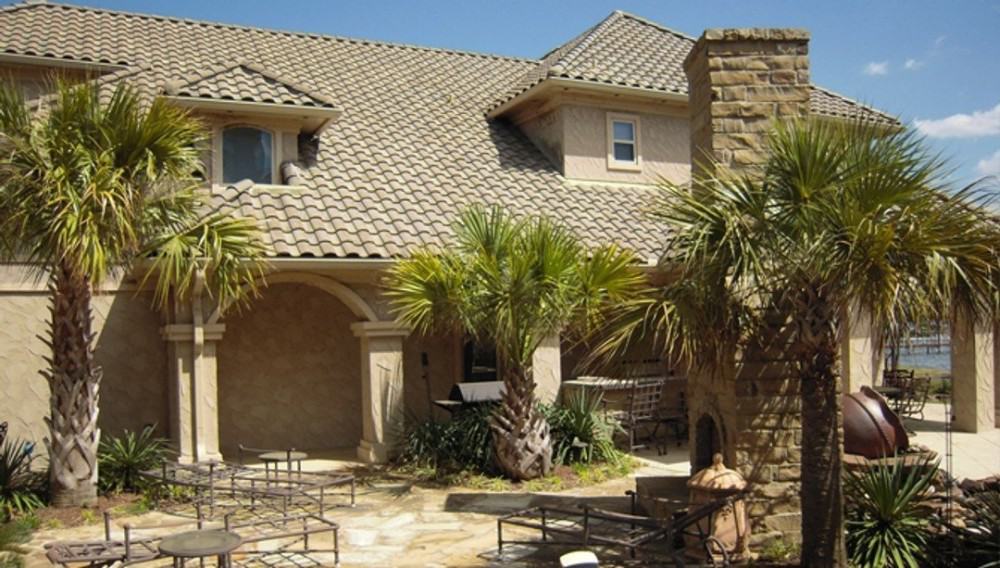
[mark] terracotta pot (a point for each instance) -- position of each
(731, 524)
(871, 428)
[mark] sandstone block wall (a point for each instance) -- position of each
(740, 82)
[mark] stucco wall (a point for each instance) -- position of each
(128, 348)
(443, 370)
(289, 373)
(663, 146)
(546, 132)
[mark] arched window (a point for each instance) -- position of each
(246, 154)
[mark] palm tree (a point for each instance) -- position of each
(511, 284)
(840, 217)
(90, 189)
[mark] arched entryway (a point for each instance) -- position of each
(290, 371)
(708, 442)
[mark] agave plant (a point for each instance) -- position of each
(121, 460)
(21, 488)
(888, 520)
(580, 431)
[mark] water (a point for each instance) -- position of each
(940, 360)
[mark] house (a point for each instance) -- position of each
(352, 153)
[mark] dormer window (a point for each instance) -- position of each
(623, 142)
(247, 153)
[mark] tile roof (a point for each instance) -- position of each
(412, 146)
(245, 81)
(629, 51)
(623, 50)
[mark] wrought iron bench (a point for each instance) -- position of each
(590, 526)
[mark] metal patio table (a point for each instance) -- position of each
(201, 544)
(275, 459)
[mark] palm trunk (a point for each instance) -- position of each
(822, 443)
(520, 432)
(73, 382)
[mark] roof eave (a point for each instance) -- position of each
(60, 62)
(325, 114)
(552, 83)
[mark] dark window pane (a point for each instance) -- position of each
(624, 152)
(246, 154)
(624, 131)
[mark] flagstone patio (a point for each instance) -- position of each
(401, 523)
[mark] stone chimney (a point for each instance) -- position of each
(739, 81)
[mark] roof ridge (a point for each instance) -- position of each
(853, 101)
(657, 25)
(312, 35)
(582, 41)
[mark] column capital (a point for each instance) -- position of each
(368, 329)
(185, 332)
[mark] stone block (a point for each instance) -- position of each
(789, 473)
(784, 77)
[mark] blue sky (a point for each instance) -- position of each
(933, 62)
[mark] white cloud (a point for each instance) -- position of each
(979, 123)
(989, 166)
(913, 64)
(877, 68)
(939, 40)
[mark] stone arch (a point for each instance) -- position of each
(358, 306)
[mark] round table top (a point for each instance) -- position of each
(196, 544)
(282, 456)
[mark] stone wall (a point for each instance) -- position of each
(740, 80)
(289, 369)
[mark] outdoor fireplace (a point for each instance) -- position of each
(707, 443)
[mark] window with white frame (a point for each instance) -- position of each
(623, 141)
(247, 153)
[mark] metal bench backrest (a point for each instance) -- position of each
(644, 399)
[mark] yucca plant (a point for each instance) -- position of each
(21, 488)
(888, 520)
(581, 433)
(122, 459)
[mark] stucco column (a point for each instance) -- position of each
(973, 375)
(381, 388)
(194, 390)
(546, 369)
(860, 360)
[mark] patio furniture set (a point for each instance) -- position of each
(907, 393)
(262, 516)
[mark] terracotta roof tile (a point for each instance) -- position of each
(412, 146)
(630, 51)
(245, 82)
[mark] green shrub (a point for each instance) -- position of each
(121, 460)
(888, 522)
(580, 431)
(21, 488)
(462, 443)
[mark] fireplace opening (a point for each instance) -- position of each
(708, 442)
